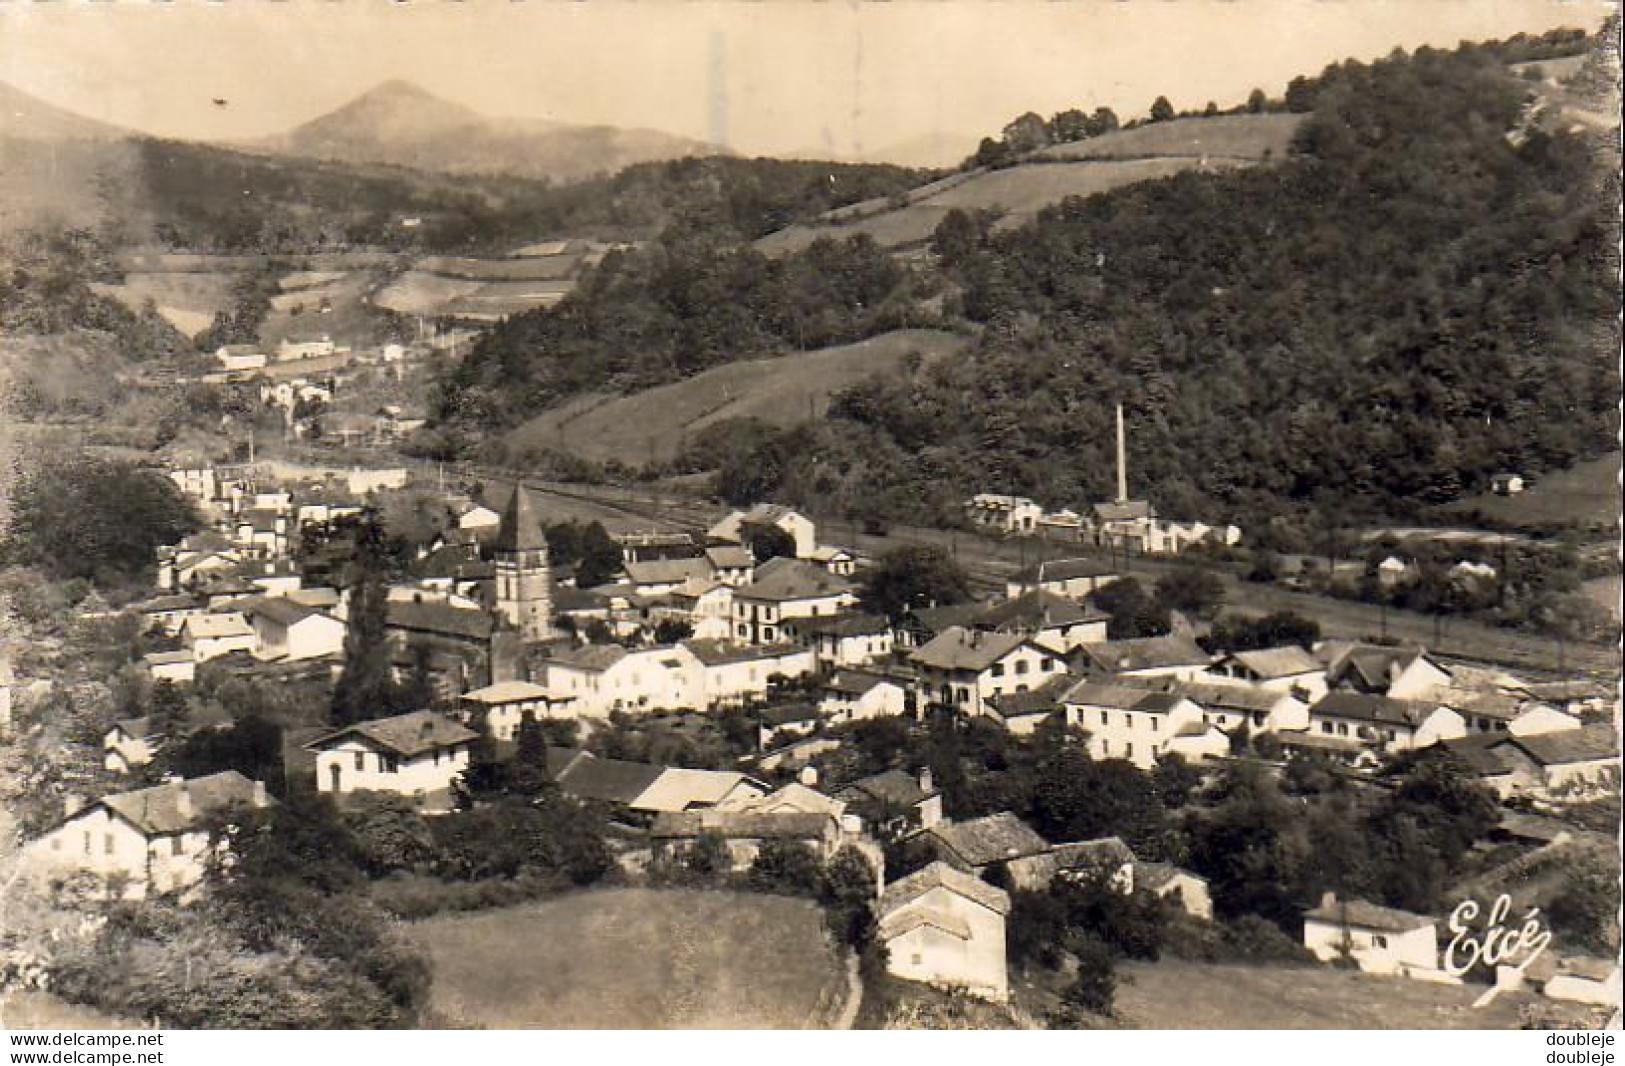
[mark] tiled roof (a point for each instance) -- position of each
(1037, 609)
(1119, 697)
(283, 612)
(792, 580)
(1274, 663)
(1358, 914)
(730, 557)
(1587, 744)
(1043, 699)
(594, 657)
(956, 648)
(210, 626)
(1230, 697)
(407, 735)
(1063, 570)
(1366, 707)
(1146, 653)
(158, 811)
(995, 838)
(856, 682)
(845, 624)
(507, 692)
(895, 788)
(607, 780)
(940, 875)
(722, 652)
(520, 529)
(667, 571)
(788, 714)
(442, 618)
(1154, 875)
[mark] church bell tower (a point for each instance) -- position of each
(524, 579)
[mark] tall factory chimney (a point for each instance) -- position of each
(1122, 458)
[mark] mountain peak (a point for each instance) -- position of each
(25, 116)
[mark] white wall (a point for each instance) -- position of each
(424, 774)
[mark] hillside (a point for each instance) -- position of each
(655, 424)
(400, 124)
(1051, 174)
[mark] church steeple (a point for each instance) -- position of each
(524, 578)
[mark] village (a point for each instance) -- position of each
(767, 645)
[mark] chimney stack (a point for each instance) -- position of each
(926, 781)
(183, 800)
(808, 776)
(260, 797)
(1122, 458)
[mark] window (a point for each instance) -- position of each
(1378, 940)
(107, 843)
(1128, 749)
(964, 695)
(1046, 665)
(87, 842)
(391, 764)
(1105, 718)
(1021, 666)
(1342, 729)
(998, 670)
(1325, 727)
(360, 761)
(1155, 725)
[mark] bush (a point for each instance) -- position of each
(412, 897)
(1095, 987)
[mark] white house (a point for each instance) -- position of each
(708, 605)
(855, 695)
(305, 347)
(837, 560)
(1262, 710)
(1579, 979)
(1380, 940)
(731, 674)
(1006, 514)
(1392, 725)
(1580, 762)
(210, 636)
(1141, 724)
(782, 589)
(290, 632)
(1403, 673)
(420, 755)
(1169, 882)
(478, 518)
(506, 703)
(741, 527)
(731, 564)
(944, 927)
(128, 745)
(845, 639)
(176, 666)
(600, 678)
(150, 841)
(1284, 669)
(240, 358)
(965, 668)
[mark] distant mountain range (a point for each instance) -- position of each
(399, 124)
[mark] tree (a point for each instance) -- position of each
(672, 630)
(848, 896)
(1257, 102)
(913, 575)
(785, 867)
(1026, 134)
(100, 520)
(1133, 613)
(771, 542)
(1161, 110)
(252, 746)
(366, 688)
(1191, 590)
(1067, 126)
(1174, 780)
(1586, 908)
(598, 559)
(1095, 986)
(1102, 122)
(1076, 798)
(991, 153)
(166, 708)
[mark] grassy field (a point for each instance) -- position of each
(1586, 494)
(1183, 995)
(188, 301)
(634, 959)
(1080, 169)
(1254, 137)
(653, 424)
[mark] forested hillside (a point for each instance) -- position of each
(1419, 296)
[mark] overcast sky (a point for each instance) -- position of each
(837, 78)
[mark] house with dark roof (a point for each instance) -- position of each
(783, 722)
(419, 755)
(965, 669)
(1573, 763)
(854, 695)
(1144, 657)
(894, 802)
(1380, 940)
(292, 631)
(1142, 724)
(944, 927)
(1383, 722)
(150, 841)
(648, 788)
(977, 845)
(463, 648)
(1023, 712)
(1052, 621)
(1187, 890)
(1106, 861)
(782, 589)
(1072, 578)
(849, 638)
(1402, 673)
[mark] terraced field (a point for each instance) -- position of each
(655, 423)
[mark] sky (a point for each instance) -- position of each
(792, 77)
